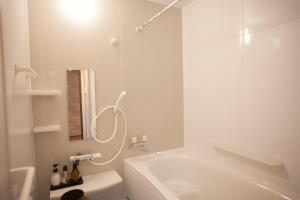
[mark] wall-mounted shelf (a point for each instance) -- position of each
(46, 129)
(49, 93)
(26, 70)
(45, 93)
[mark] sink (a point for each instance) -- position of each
(94, 186)
(22, 182)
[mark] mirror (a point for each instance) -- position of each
(81, 102)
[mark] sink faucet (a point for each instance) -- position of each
(83, 157)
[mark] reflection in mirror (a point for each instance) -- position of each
(81, 102)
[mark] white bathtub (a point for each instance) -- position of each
(174, 175)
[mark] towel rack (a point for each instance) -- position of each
(139, 28)
(268, 162)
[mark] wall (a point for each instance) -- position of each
(148, 65)
(244, 94)
(17, 147)
(15, 47)
(4, 164)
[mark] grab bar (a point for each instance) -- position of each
(247, 155)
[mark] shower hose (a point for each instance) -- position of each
(116, 109)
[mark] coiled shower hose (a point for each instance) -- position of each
(116, 109)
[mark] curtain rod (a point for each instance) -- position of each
(139, 28)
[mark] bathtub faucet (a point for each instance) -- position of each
(157, 153)
(139, 144)
(144, 149)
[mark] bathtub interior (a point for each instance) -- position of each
(191, 179)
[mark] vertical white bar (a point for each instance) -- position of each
(83, 102)
(92, 92)
(88, 106)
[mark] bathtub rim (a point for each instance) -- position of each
(149, 177)
(144, 170)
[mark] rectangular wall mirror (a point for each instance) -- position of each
(81, 102)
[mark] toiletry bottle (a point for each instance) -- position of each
(55, 177)
(65, 175)
(75, 175)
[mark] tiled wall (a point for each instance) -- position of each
(241, 83)
(4, 164)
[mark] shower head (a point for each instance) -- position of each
(123, 93)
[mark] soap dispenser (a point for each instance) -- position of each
(55, 177)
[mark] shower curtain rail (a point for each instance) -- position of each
(139, 28)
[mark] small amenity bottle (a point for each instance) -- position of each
(75, 175)
(65, 175)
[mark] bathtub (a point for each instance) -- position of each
(175, 175)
